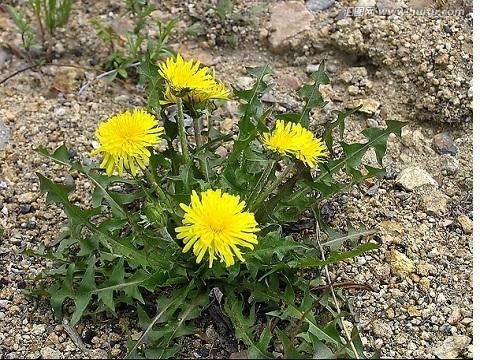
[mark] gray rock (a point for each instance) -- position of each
(452, 346)
(412, 177)
(312, 68)
(122, 99)
(4, 134)
(382, 329)
(368, 106)
(443, 143)
(386, 4)
(366, 3)
(4, 57)
(287, 20)
(450, 165)
(49, 353)
(319, 5)
(245, 82)
(27, 198)
(372, 190)
(354, 75)
(268, 97)
(98, 354)
(69, 181)
(38, 329)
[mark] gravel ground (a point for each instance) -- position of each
(421, 303)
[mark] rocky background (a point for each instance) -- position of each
(408, 66)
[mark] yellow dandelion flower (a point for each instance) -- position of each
(124, 140)
(310, 149)
(216, 222)
(191, 81)
(293, 139)
(280, 139)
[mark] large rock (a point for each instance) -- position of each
(466, 224)
(287, 20)
(434, 202)
(368, 106)
(400, 264)
(49, 353)
(444, 143)
(449, 165)
(452, 347)
(382, 329)
(412, 177)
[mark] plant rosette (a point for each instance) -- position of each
(172, 223)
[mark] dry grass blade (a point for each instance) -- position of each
(74, 336)
(334, 296)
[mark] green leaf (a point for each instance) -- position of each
(84, 293)
(289, 348)
(263, 342)
(191, 310)
(117, 277)
(101, 182)
(224, 8)
(59, 193)
(336, 239)
(333, 258)
(321, 351)
(290, 117)
(244, 327)
(340, 123)
(378, 137)
(357, 342)
(152, 81)
(250, 109)
(273, 244)
(311, 94)
(167, 307)
(60, 292)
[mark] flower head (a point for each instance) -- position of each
(124, 140)
(190, 81)
(216, 222)
(293, 139)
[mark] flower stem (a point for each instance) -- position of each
(260, 183)
(198, 135)
(181, 131)
(209, 123)
(198, 144)
(158, 190)
(273, 186)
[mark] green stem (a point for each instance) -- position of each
(284, 189)
(261, 182)
(273, 186)
(198, 135)
(181, 131)
(158, 190)
(209, 123)
(198, 143)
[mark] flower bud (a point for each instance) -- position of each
(155, 214)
